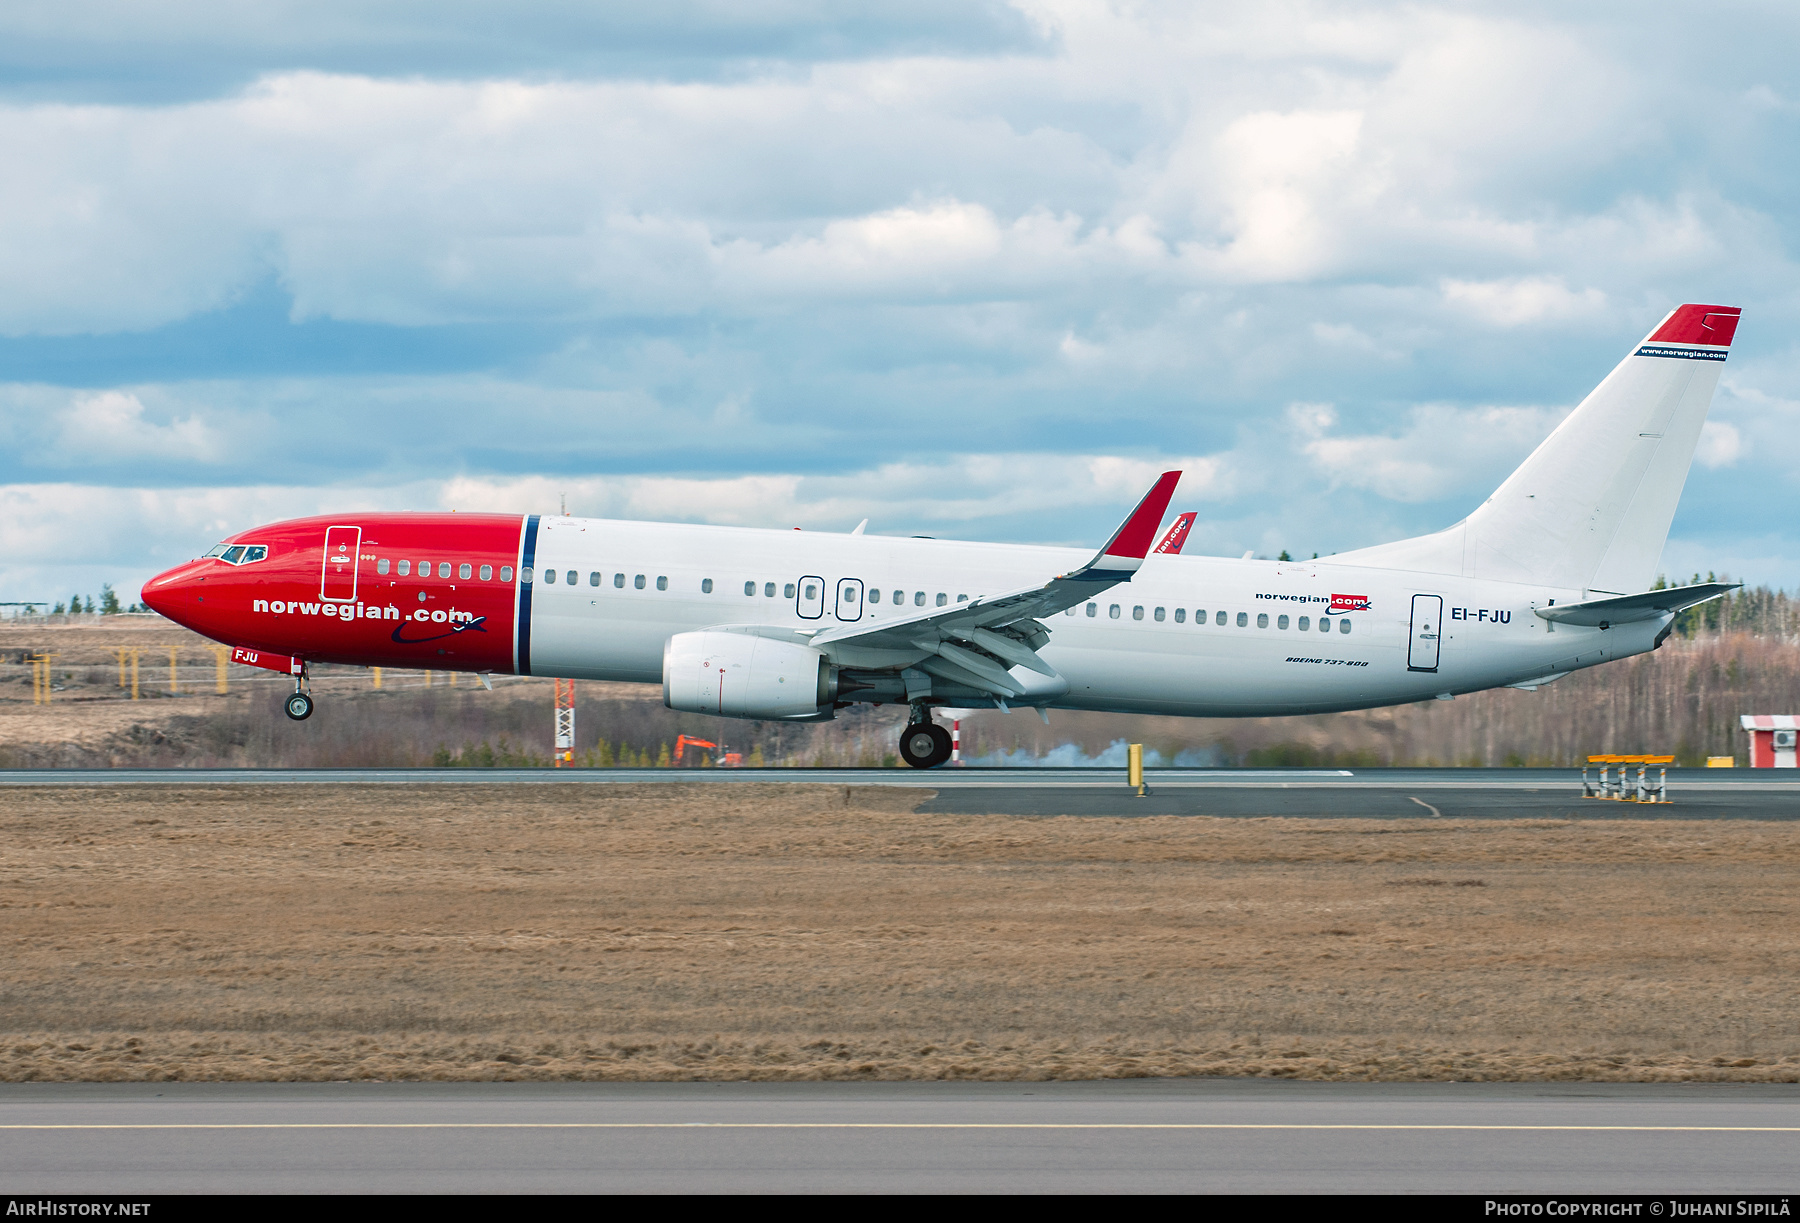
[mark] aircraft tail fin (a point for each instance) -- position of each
(1590, 508)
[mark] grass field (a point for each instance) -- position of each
(807, 932)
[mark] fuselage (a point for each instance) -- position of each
(599, 599)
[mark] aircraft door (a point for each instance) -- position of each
(810, 599)
(337, 580)
(849, 599)
(1427, 628)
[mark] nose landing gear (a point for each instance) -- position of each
(924, 745)
(300, 704)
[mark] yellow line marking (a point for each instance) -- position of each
(870, 1124)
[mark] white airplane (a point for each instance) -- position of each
(1548, 575)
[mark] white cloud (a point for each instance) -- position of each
(1443, 451)
(1720, 445)
(1521, 300)
(111, 425)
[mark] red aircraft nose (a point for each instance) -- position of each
(175, 594)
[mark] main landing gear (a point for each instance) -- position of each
(924, 745)
(300, 704)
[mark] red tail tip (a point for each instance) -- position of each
(1696, 324)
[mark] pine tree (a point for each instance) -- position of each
(662, 757)
(606, 760)
(109, 600)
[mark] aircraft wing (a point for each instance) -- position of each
(978, 642)
(1623, 609)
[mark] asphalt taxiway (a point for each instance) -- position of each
(1192, 1135)
(1314, 793)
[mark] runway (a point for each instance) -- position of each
(1146, 1136)
(1313, 793)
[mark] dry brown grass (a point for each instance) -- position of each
(311, 932)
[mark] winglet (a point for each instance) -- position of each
(1178, 532)
(1126, 550)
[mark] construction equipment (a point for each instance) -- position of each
(724, 758)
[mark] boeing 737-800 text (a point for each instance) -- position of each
(1548, 575)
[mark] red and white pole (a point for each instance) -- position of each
(956, 742)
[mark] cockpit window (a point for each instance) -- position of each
(239, 554)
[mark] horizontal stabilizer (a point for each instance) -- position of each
(1603, 613)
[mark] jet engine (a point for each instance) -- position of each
(736, 675)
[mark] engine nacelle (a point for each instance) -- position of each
(736, 675)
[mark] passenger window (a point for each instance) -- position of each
(1158, 614)
(443, 569)
(381, 566)
(750, 588)
(524, 577)
(593, 578)
(571, 577)
(874, 594)
(812, 592)
(1324, 624)
(487, 573)
(1243, 619)
(1304, 624)
(505, 573)
(1068, 611)
(405, 568)
(899, 597)
(942, 598)
(1343, 626)
(465, 571)
(1137, 613)
(918, 598)
(787, 592)
(1219, 619)
(1262, 620)
(618, 581)
(1113, 611)
(1181, 616)
(638, 582)
(1092, 607)
(962, 598)
(662, 582)
(549, 577)
(705, 586)
(768, 590)
(1281, 622)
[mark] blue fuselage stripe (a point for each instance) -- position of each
(527, 560)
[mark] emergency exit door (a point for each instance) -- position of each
(849, 599)
(337, 582)
(1427, 628)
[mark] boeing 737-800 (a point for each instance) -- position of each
(1549, 574)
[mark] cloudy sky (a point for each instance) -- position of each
(960, 268)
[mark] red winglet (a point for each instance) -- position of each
(1694, 324)
(1132, 540)
(1178, 532)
